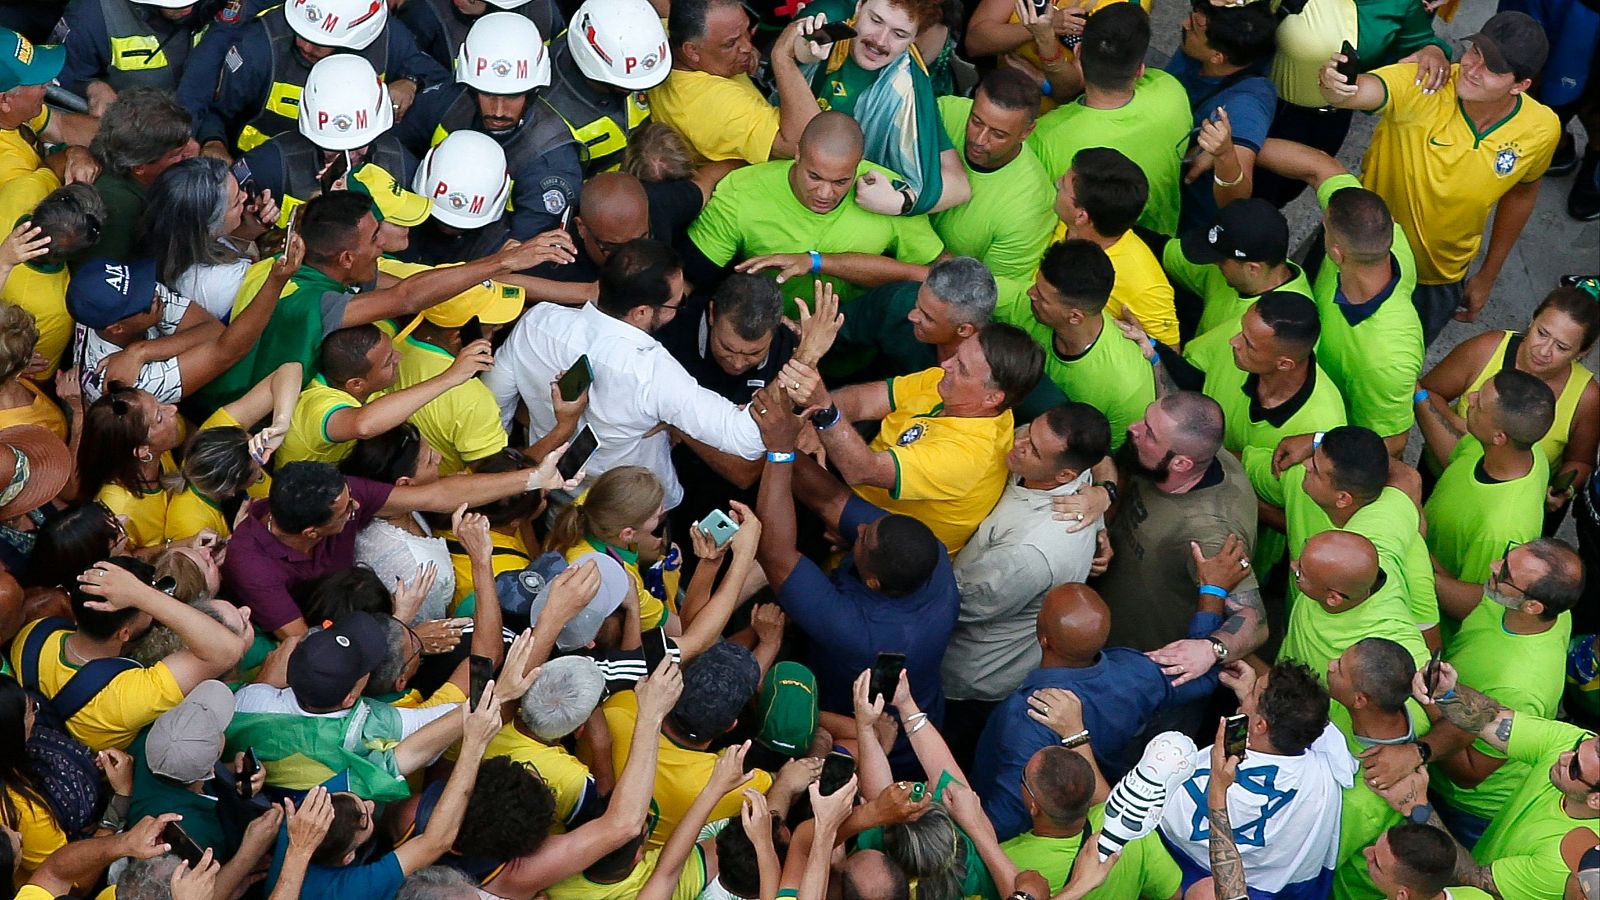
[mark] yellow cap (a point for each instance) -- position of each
(390, 201)
(491, 302)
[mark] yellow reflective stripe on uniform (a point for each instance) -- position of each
(283, 99)
(603, 137)
(439, 134)
(138, 51)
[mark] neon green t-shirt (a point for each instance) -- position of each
(1315, 636)
(1152, 129)
(1007, 222)
(1375, 362)
(754, 212)
(1524, 672)
(1523, 844)
(1145, 869)
(1224, 305)
(1462, 535)
(1364, 817)
(1112, 376)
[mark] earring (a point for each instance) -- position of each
(147, 456)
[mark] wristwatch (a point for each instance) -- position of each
(1110, 488)
(1420, 813)
(1220, 648)
(823, 419)
(1424, 751)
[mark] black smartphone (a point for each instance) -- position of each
(1563, 482)
(246, 178)
(1234, 732)
(1432, 678)
(576, 379)
(833, 31)
(247, 773)
(183, 846)
(578, 452)
(1351, 67)
(335, 171)
(886, 671)
(837, 767)
(654, 643)
(480, 671)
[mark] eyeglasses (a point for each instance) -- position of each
(168, 585)
(1503, 577)
(1575, 771)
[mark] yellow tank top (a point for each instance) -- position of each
(1554, 443)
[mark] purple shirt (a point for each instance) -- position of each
(266, 575)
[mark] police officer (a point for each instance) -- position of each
(615, 51)
(264, 69)
(465, 177)
(440, 26)
(113, 45)
(501, 66)
(346, 119)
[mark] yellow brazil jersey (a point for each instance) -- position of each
(509, 553)
(308, 430)
(743, 126)
(680, 771)
(22, 152)
(189, 512)
(567, 777)
(1441, 175)
(146, 509)
(949, 470)
(1140, 285)
(463, 423)
(122, 709)
(41, 834)
(652, 612)
(691, 881)
(39, 289)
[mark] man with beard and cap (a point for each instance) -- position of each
(1178, 492)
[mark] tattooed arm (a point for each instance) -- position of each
(1227, 866)
(1411, 793)
(1469, 710)
(1245, 629)
(1441, 427)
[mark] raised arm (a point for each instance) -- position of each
(210, 649)
(446, 494)
(204, 363)
(1295, 160)
(422, 850)
(353, 423)
(418, 292)
(709, 622)
(857, 463)
(81, 862)
(1469, 710)
(1227, 866)
(1365, 93)
(726, 777)
(276, 394)
(777, 550)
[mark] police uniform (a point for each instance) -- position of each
(440, 28)
(542, 156)
(602, 122)
(256, 93)
(433, 246)
(288, 165)
(127, 44)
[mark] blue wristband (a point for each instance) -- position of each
(780, 456)
(1045, 87)
(816, 262)
(1446, 695)
(1213, 591)
(1419, 396)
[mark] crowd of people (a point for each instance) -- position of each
(672, 449)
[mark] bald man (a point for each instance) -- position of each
(1119, 689)
(1341, 596)
(796, 219)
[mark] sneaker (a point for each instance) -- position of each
(1583, 201)
(1565, 160)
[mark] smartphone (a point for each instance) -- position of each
(294, 222)
(1560, 485)
(335, 171)
(576, 379)
(578, 452)
(886, 671)
(831, 32)
(246, 178)
(480, 671)
(1351, 67)
(566, 216)
(717, 526)
(183, 846)
(655, 648)
(1234, 732)
(1432, 678)
(247, 773)
(837, 767)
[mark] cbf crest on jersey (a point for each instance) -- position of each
(910, 435)
(1505, 161)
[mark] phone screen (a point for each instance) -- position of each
(480, 671)
(183, 846)
(1234, 733)
(655, 648)
(886, 671)
(247, 773)
(837, 768)
(246, 178)
(578, 452)
(576, 379)
(335, 171)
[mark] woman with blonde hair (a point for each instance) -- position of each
(21, 401)
(622, 515)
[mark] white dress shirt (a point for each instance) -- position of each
(637, 386)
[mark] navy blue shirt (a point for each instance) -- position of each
(1251, 102)
(849, 623)
(1120, 693)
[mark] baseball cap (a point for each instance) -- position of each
(562, 697)
(186, 741)
(787, 706)
(1582, 857)
(716, 686)
(1249, 230)
(42, 468)
(526, 591)
(391, 202)
(324, 669)
(1512, 42)
(22, 62)
(105, 291)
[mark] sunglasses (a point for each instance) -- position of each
(1575, 771)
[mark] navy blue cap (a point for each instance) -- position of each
(104, 291)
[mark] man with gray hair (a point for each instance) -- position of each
(918, 325)
(560, 701)
(437, 883)
(143, 133)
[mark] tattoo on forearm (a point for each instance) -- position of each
(1472, 712)
(1227, 867)
(1164, 383)
(1246, 614)
(1438, 415)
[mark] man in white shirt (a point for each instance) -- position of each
(1016, 556)
(638, 386)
